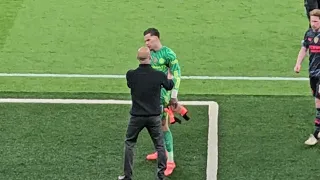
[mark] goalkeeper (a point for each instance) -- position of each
(164, 59)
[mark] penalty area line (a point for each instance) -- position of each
(213, 109)
(114, 76)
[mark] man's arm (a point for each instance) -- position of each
(167, 83)
(175, 72)
(128, 76)
(302, 53)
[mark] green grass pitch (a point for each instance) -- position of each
(262, 124)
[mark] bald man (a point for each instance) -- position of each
(145, 84)
(143, 55)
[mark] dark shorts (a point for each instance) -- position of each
(314, 84)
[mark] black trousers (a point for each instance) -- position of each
(311, 5)
(153, 125)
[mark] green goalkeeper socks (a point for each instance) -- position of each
(168, 139)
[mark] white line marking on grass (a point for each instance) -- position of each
(212, 154)
(110, 76)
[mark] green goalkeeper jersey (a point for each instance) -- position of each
(163, 60)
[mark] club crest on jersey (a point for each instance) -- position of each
(316, 39)
(155, 60)
(161, 61)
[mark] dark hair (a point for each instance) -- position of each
(152, 32)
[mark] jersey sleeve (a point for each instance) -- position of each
(306, 40)
(175, 71)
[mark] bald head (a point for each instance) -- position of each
(143, 54)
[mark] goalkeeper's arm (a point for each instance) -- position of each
(175, 73)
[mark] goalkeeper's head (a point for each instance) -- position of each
(152, 38)
(143, 55)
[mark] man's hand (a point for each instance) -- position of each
(297, 68)
(169, 75)
(173, 102)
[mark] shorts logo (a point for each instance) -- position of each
(316, 39)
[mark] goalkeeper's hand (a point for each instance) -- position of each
(169, 76)
(173, 102)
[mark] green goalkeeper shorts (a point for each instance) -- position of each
(164, 99)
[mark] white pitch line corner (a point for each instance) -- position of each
(213, 110)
